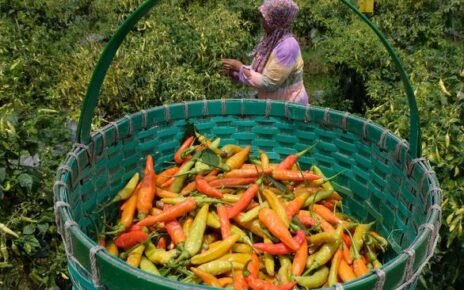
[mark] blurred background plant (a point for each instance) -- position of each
(49, 49)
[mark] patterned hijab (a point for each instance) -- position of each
(278, 16)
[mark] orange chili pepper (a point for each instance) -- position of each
(170, 213)
(245, 199)
(347, 254)
(177, 156)
(207, 278)
(203, 187)
(165, 193)
(345, 272)
(253, 266)
(295, 205)
(128, 211)
(290, 175)
(232, 181)
(165, 175)
(239, 281)
(274, 224)
(247, 172)
(174, 229)
(306, 218)
(299, 261)
(147, 191)
(326, 214)
(224, 220)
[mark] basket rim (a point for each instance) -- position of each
(285, 109)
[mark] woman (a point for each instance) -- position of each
(277, 68)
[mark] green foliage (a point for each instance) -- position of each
(49, 48)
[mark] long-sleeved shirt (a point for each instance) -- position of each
(282, 77)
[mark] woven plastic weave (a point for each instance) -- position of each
(380, 180)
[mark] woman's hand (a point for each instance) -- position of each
(229, 66)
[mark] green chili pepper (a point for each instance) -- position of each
(316, 280)
(318, 196)
(285, 270)
(147, 266)
(218, 267)
(181, 175)
(324, 255)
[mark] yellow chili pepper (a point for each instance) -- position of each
(237, 258)
(253, 213)
(269, 263)
(237, 160)
(159, 256)
(112, 249)
(127, 191)
(135, 256)
(277, 206)
(254, 226)
(213, 221)
(215, 252)
(242, 235)
(230, 149)
(242, 248)
(186, 225)
(231, 197)
(264, 159)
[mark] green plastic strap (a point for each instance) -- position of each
(93, 91)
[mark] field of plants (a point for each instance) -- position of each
(49, 48)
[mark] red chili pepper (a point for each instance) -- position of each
(245, 199)
(161, 243)
(224, 220)
(203, 187)
(280, 248)
(130, 239)
(177, 156)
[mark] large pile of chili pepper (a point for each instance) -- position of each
(222, 218)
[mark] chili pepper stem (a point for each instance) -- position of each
(303, 152)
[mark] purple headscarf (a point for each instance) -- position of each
(278, 16)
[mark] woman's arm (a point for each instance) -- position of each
(277, 70)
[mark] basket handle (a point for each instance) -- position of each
(106, 58)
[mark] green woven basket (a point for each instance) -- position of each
(384, 179)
